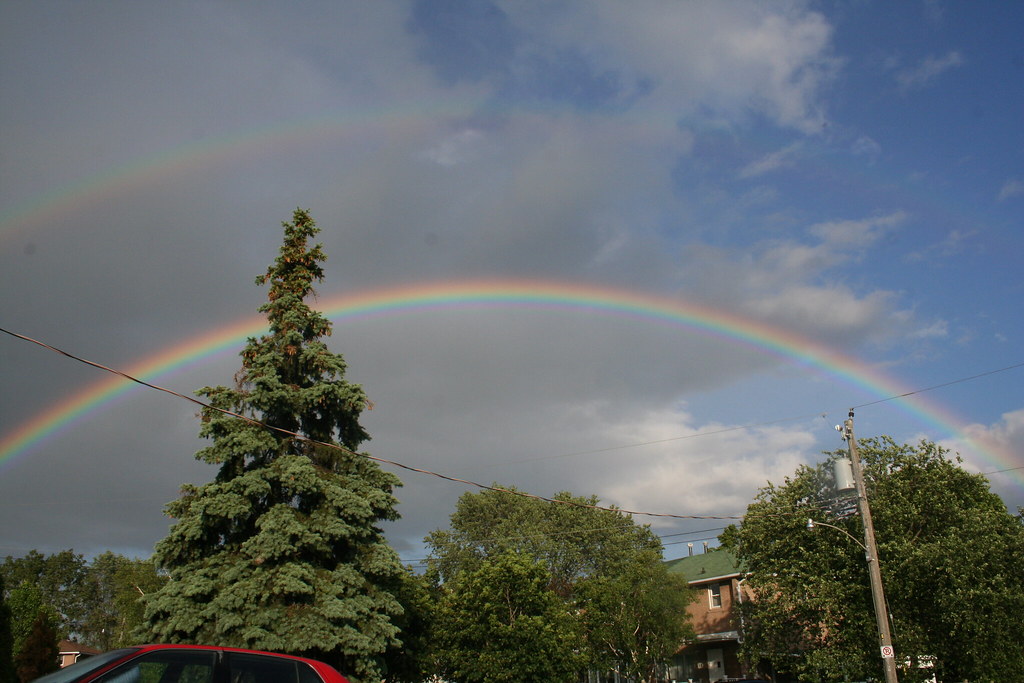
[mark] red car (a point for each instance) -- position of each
(194, 664)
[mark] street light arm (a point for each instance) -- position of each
(812, 523)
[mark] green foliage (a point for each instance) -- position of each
(25, 603)
(117, 585)
(61, 580)
(950, 557)
(412, 660)
(38, 655)
(282, 550)
(502, 622)
(96, 603)
(7, 674)
(635, 620)
(573, 539)
(594, 560)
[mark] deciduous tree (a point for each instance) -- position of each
(283, 550)
(25, 603)
(951, 557)
(60, 578)
(501, 622)
(95, 603)
(636, 619)
(412, 660)
(595, 559)
(116, 588)
(573, 538)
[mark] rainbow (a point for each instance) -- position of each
(257, 142)
(490, 295)
(65, 200)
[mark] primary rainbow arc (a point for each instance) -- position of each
(492, 294)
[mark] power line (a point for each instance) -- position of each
(337, 447)
(690, 533)
(486, 487)
(425, 560)
(771, 422)
(939, 386)
(699, 538)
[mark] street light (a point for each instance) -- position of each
(811, 524)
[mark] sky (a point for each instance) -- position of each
(650, 251)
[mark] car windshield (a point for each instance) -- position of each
(84, 666)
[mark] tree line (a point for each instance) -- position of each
(284, 550)
(48, 598)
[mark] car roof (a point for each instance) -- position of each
(326, 670)
(184, 646)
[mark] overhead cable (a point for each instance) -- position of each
(337, 447)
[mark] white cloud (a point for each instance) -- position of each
(838, 241)
(926, 71)
(1007, 434)
(857, 234)
(832, 310)
(934, 12)
(1000, 444)
(865, 146)
(459, 148)
(938, 329)
(791, 282)
(952, 245)
(779, 159)
(1014, 187)
(714, 474)
(727, 58)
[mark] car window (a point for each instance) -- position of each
(307, 674)
(85, 666)
(165, 666)
(252, 668)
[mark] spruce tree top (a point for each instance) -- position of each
(291, 280)
(289, 378)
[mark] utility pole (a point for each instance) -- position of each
(874, 572)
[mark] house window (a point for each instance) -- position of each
(715, 595)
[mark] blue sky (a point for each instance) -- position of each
(848, 172)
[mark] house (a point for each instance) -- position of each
(717, 580)
(70, 652)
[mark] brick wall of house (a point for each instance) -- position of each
(707, 618)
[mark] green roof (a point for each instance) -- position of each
(712, 564)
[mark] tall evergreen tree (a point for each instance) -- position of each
(283, 550)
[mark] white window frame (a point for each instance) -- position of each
(715, 595)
